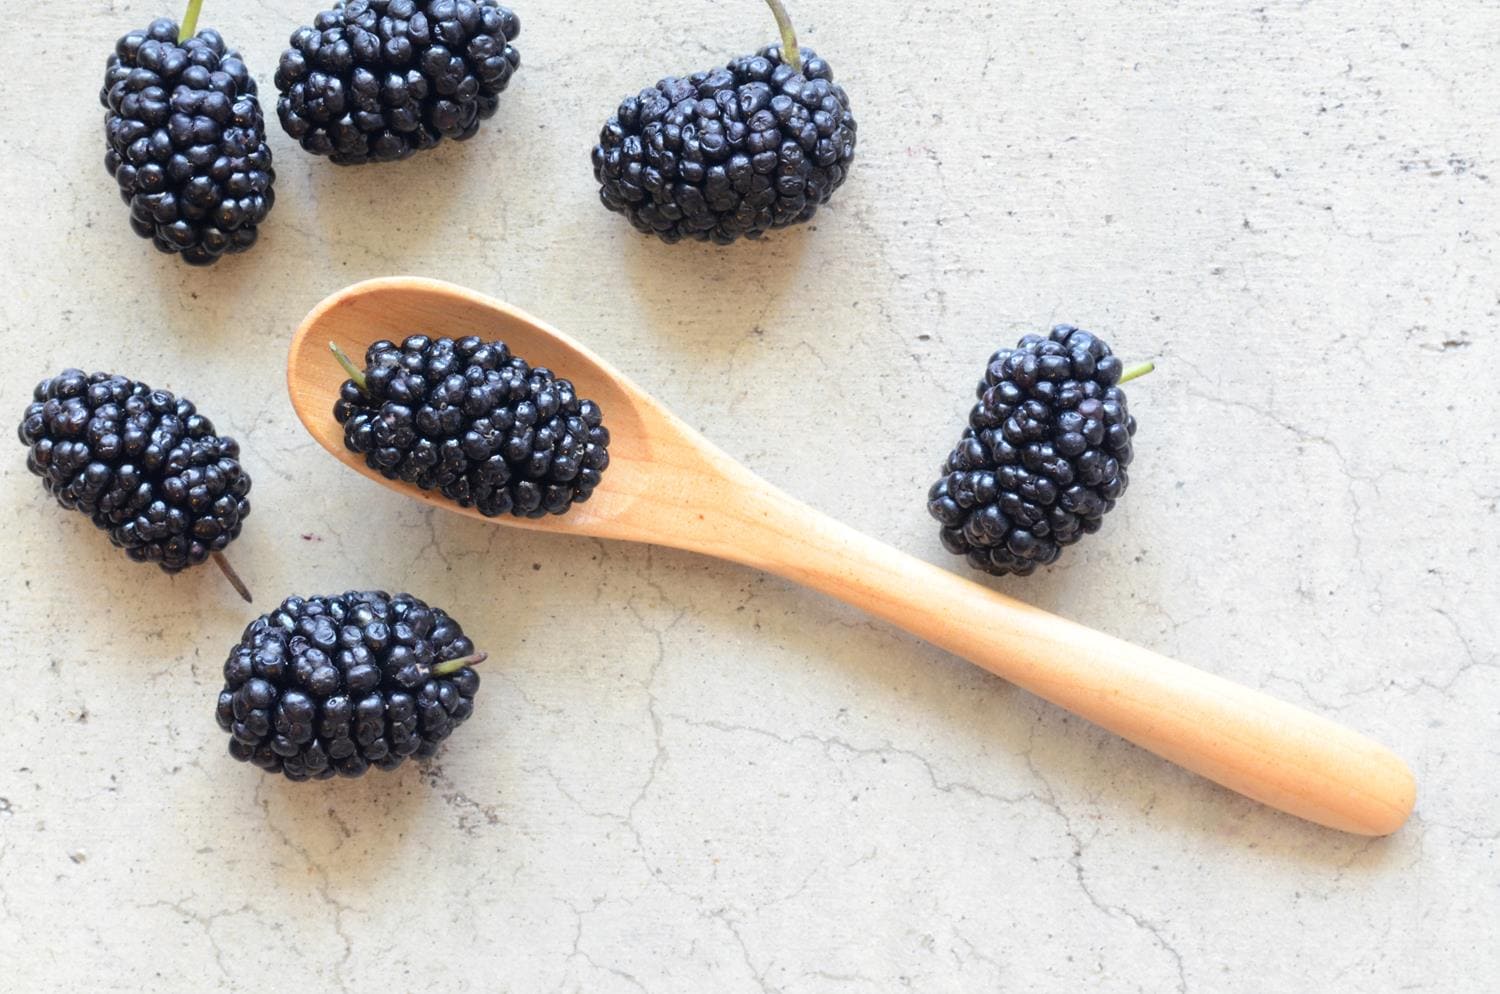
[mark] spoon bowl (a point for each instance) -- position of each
(667, 485)
(395, 307)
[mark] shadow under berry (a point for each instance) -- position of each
(388, 213)
(347, 828)
(713, 295)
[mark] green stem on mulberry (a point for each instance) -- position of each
(790, 53)
(189, 28)
(1139, 369)
(452, 666)
(355, 373)
(233, 577)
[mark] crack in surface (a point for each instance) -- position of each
(206, 922)
(830, 743)
(322, 884)
(1075, 860)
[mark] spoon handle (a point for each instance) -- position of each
(1248, 741)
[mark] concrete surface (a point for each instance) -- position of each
(683, 776)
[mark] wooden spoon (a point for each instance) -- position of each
(669, 486)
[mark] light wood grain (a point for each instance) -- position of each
(667, 485)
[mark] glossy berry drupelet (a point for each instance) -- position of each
(1044, 456)
(727, 153)
(143, 464)
(377, 80)
(326, 685)
(186, 142)
(467, 418)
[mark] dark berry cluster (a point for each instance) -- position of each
(728, 152)
(327, 685)
(141, 463)
(186, 142)
(1044, 456)
(476, 423)
(376, 80)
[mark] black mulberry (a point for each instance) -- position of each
(377, 80)
(474, 422)
(187, 142)
(1044, 456)
(757, 145)
(326, 685)
(143, 464)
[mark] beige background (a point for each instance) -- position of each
(683, 776)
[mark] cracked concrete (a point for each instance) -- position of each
(684, 776)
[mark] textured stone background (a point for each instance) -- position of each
(687, 777)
